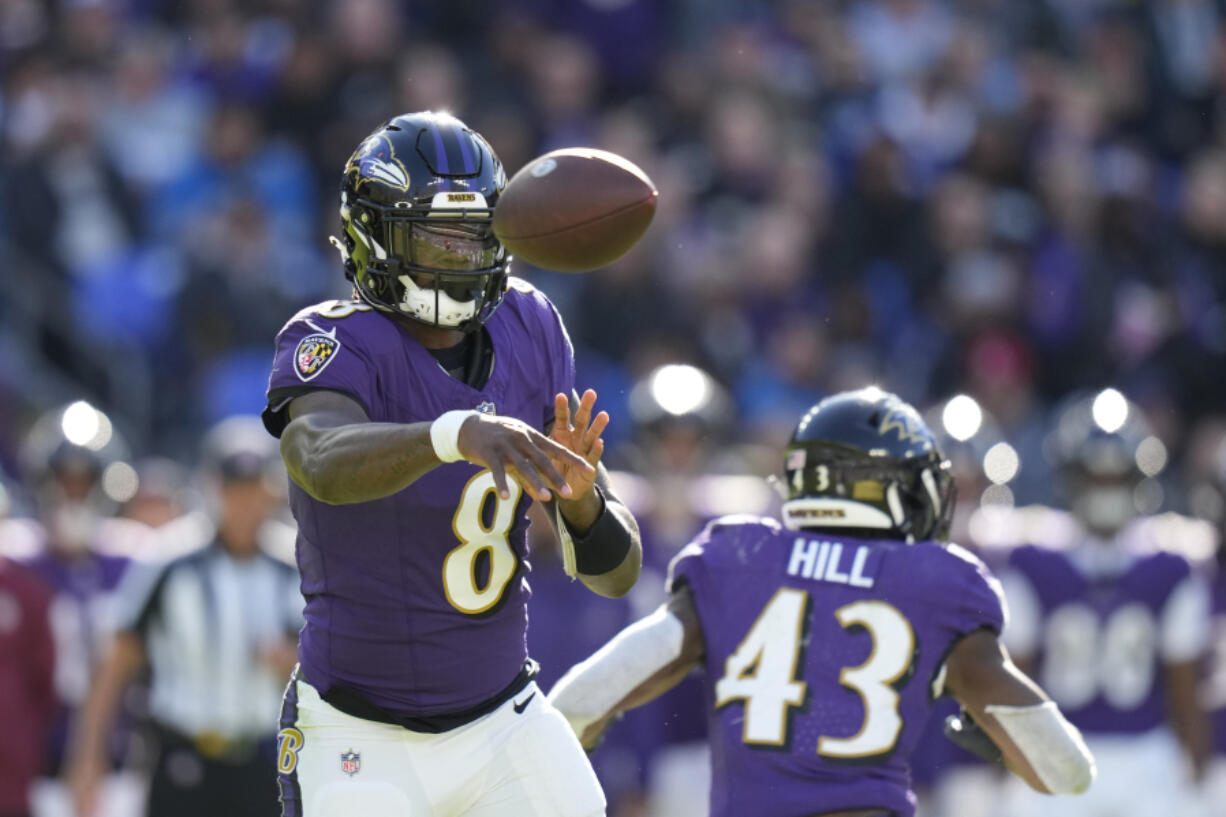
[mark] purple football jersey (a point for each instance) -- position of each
(1098, 655)
(417, 600)
(820, 653)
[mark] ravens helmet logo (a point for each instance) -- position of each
(375, 161)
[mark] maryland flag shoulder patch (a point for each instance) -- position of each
(313, 355)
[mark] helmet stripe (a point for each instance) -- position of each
(453, 145)
(466, 155)
(440, 156)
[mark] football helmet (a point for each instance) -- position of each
(1103, 448)
(73, 459)
(866, 460)
(417, 199)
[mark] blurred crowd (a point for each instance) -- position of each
(1010, 200)
(986, 206)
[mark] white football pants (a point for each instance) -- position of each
(508, 763)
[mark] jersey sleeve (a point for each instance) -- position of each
(1185, 622)
(719, 541)
(689, 565)
(978, 602)
(313, 353)
(685, 568)
(138, 596)
(1023, 629)
(564, 358)
(559, 352)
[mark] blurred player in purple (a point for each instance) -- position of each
(826, 639)
(1112, 623)
(418, 421)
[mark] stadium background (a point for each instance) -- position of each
(1010, 201)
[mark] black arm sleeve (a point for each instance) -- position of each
(606, 543)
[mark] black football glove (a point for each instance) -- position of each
(963, 730)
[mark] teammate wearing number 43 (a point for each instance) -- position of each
(827, 639)
(418, 421)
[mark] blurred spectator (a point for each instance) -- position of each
(1010, 201)
(151, 114)
(900, 37)
(914, 171)
(27, 689)
(238, 166)
(217, 628)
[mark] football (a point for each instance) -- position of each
(574, 209)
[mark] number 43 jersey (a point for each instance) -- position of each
(822, 653)
(417, 601)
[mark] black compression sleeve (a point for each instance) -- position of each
(606, 543)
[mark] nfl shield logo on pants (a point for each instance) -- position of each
(351, 762)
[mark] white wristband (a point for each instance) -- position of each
(445, 434)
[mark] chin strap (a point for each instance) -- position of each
(351, 269)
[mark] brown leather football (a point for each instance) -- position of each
(574, 209)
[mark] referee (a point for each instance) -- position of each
(217, 627)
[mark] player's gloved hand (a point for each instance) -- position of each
(963, 730)
(506, 445)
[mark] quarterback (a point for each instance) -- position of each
(826, 639)
(418, 421)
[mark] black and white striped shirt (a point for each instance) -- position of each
(204, 617)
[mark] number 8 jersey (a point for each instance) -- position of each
(823, 654)
(417, 601)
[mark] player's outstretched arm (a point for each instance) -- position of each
(87, 759)
(1036, 742)
(1185, 633)
(1186, 715)
(600, 539)
(337, 455)
(639, 664)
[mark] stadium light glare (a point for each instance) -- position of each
(1001, 463)
(120, 481)
(962, 417)
(1110, 410)
(680, 388)
(1151, 456)
(80, 423)
(998, 495)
